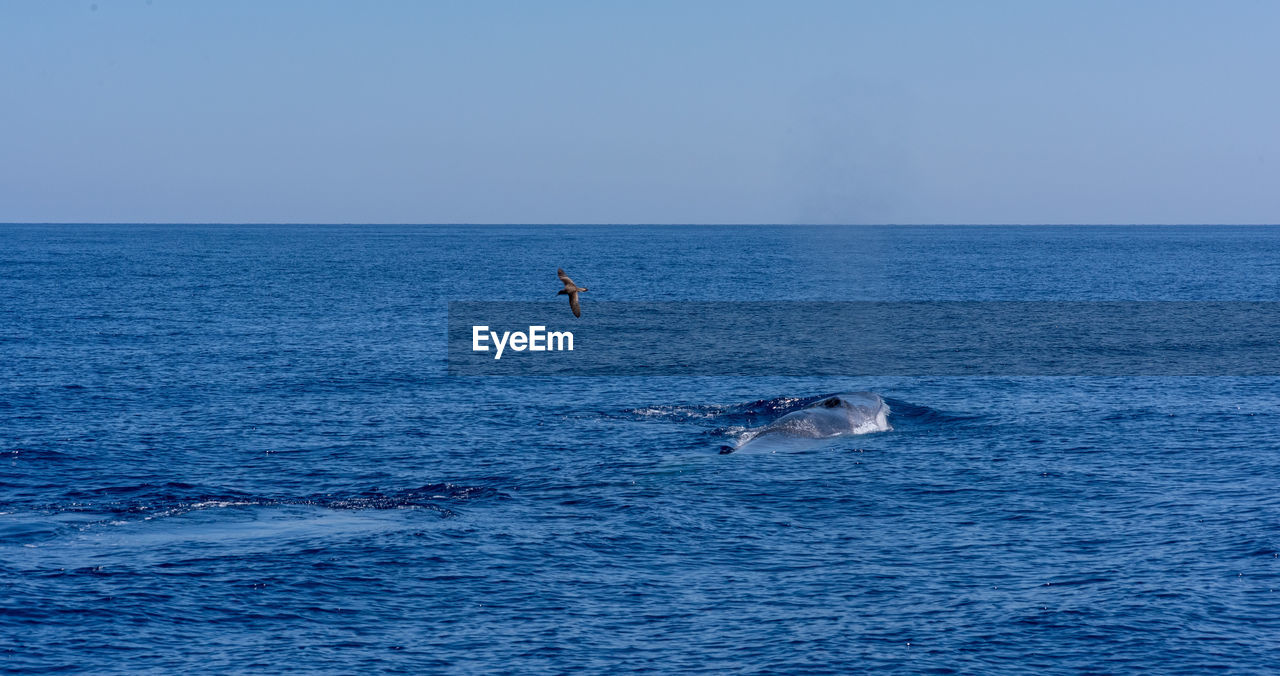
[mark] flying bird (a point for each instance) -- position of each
(571, 290)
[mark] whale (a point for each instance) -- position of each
(838, 415)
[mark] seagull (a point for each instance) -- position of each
(571, 290)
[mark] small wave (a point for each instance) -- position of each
(674, 412)
(748, 412)
(222, 503)
(916, 416)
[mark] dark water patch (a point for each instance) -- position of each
(175, 498)
(29, 454)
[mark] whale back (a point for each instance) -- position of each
(838, 415)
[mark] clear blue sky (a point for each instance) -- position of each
(640, 112)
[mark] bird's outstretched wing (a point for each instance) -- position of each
(573, 304)
(564, 278)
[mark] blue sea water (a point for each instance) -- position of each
(237, 449)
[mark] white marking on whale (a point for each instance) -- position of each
(835, 416)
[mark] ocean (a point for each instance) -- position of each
(239, 448)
